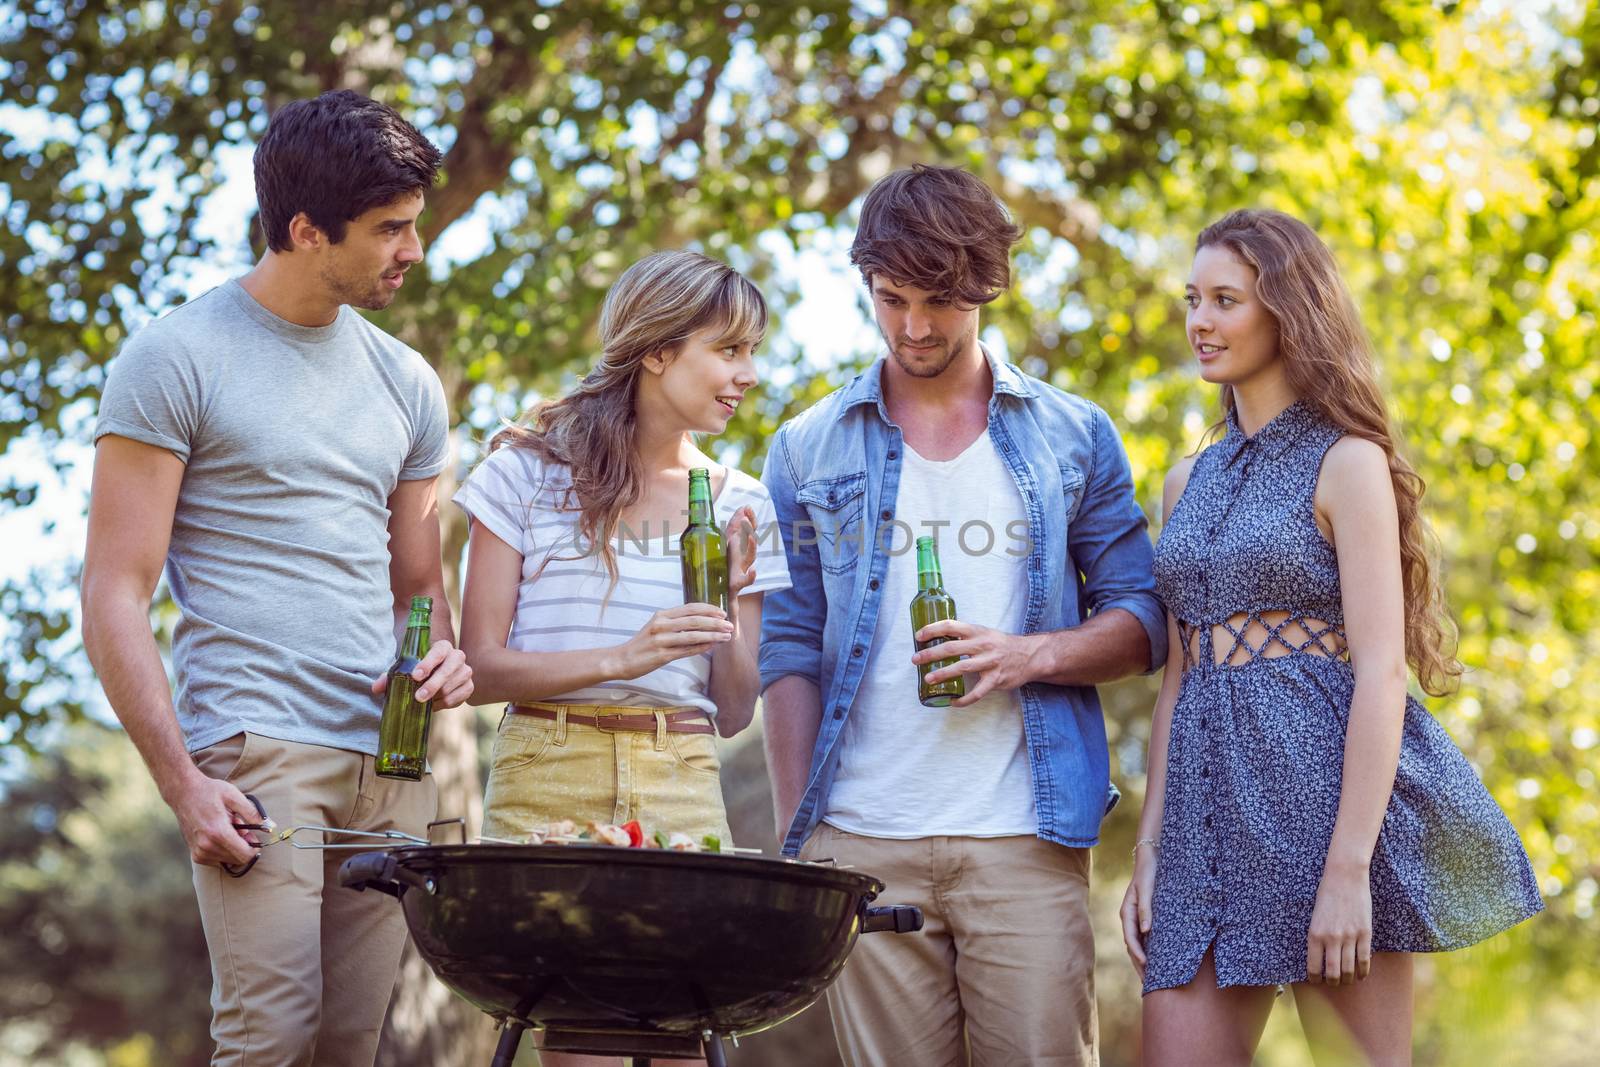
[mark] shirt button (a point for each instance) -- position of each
(873, 584)
(1213, 868)
(838, 713)
(887, 515)
(1205, 772)
(856, 651)
(893, 454)
(1202, 723)
(1208, 822)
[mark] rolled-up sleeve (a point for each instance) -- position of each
(1109, 542)
(154, 393)
(792, 619)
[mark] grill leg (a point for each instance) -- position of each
(714, 1054)
(506, 1050)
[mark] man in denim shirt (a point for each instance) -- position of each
(981, 813)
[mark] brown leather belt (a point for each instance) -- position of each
(678, 720)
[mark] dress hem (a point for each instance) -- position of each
(1453, 946)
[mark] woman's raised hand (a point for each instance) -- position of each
(740, 537)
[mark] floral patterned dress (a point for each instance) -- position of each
(1256, 750)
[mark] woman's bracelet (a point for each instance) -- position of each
(1137, 845)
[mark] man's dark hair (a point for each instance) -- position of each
(936, 228)
(335, 158)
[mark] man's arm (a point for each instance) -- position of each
(792, 718)
(1109, 544)
(131, 506)
(416, 568)
(1106, 647)
(791, 647)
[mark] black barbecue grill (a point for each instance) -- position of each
(628, 951)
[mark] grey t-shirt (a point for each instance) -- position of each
(294, 438)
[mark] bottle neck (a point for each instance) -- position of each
(414, 645)
(700, 502)
(928, 576)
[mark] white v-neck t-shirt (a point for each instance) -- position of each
(908, 771)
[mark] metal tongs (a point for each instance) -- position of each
(369, 838)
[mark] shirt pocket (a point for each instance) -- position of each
(1072, 482)
(834, 509)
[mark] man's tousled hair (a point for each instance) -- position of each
(939, 229)
(335, 158)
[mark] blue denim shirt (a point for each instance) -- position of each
(834, 472)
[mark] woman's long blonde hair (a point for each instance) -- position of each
(1328, 359)
(657, 305)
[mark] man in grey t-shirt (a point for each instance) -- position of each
(278, 453)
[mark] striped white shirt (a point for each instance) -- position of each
(563, 606)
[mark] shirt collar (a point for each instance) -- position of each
(1281, 431)
(867, 388)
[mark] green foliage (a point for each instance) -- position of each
(1446, 151)
(595, 132)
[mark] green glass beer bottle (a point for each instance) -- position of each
(932, 604)
(403, 733)
(705, 556)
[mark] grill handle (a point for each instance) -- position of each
(378, 870)
(894, 919)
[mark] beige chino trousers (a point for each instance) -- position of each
(1002, 973)
(302, 969)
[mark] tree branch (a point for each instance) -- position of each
(481, 158)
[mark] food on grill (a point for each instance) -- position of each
(629, 835)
